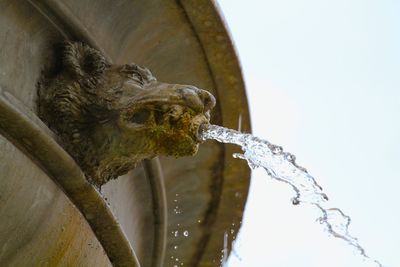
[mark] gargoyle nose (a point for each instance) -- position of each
(198, 99)
(208, 99)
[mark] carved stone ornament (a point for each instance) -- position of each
(110, 117)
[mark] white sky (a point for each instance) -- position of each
(323, 81)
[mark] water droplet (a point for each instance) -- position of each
(290, 157)
(186, 233)
(252, 165)
(295, 201)
(238, 156)
(303, 170)
(176, 233)
(276, 149)
(175, 247)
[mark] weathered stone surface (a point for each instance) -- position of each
(111, 117)
(39, 224)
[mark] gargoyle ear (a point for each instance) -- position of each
(83, 61)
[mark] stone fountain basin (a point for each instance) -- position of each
(43, 196)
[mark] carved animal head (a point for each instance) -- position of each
(109, 117)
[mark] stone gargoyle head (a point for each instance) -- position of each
(110, 117)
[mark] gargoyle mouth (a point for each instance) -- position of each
(170, 123)
(169, 118)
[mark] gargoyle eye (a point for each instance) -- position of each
(139, 78)
(134, 73)
(140, 117)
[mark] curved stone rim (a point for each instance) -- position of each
(156, 178)
(27, 132)
(213, 35)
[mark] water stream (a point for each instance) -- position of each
(282, 166)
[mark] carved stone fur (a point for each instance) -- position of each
(109, 117)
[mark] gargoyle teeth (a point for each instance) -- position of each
(176, 112)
